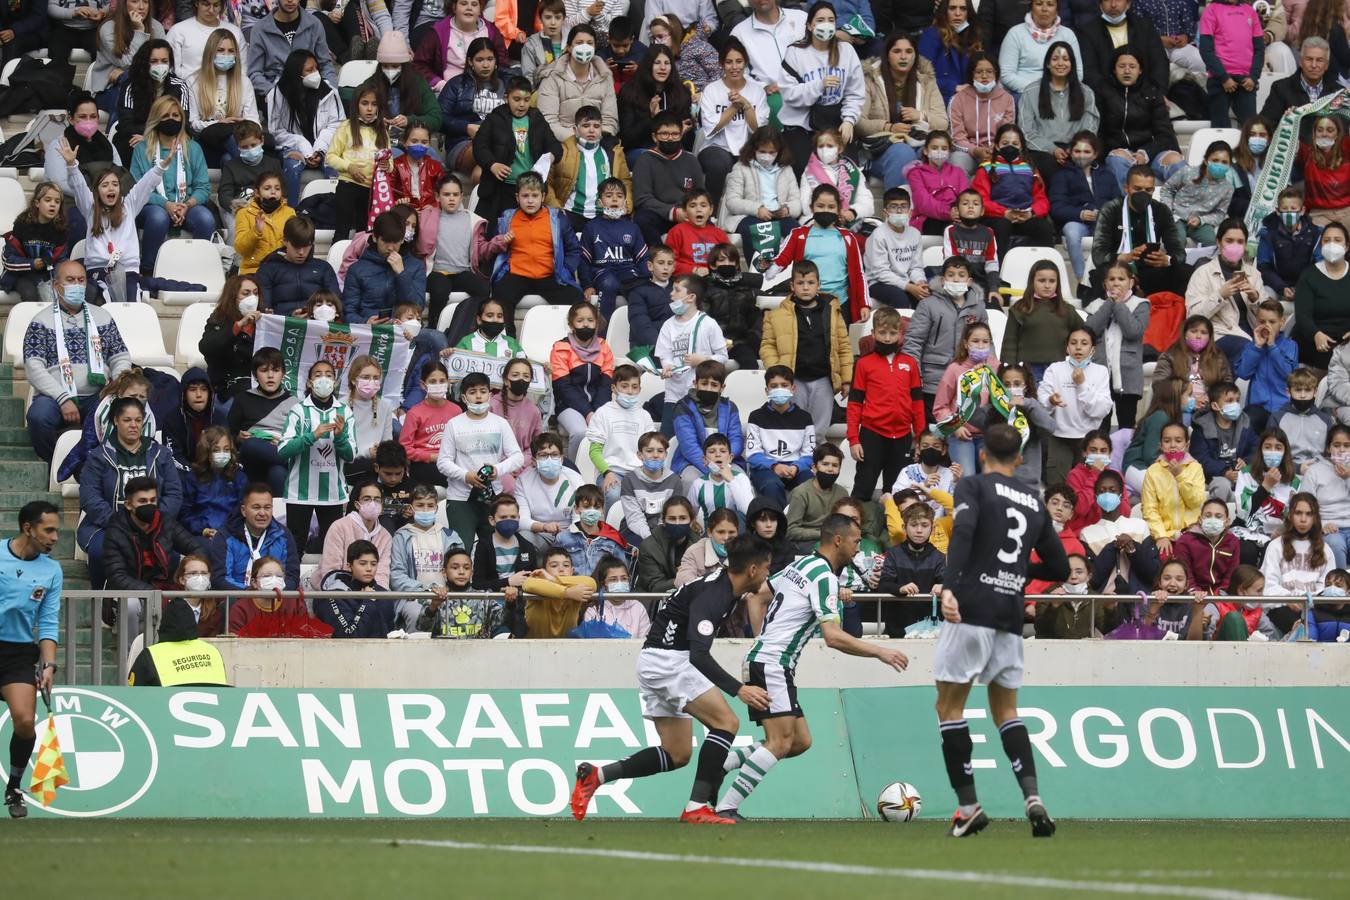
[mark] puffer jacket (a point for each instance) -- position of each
(429, 55)
(1134, 118)
(457, 112)
(373, 288)
(933, 192)
(877, 116)
(286, 286)
(779, 344)
(254, 245)
(935, 331)
(228, 351)
(1071, 193)
(562, 176)
(742, 196)
(231, 559)
(102, 481)
(577, 384)
(692, 431)
(560, 95)
(1282, 255)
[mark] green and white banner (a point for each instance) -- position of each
(1102, 752)
(303, 342)
(1283, 153)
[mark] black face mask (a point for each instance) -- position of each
(518, 387)
(170, 128)
(675, 532)
(1302, 405)
(145, 513)
(491, 329)
(727, 273)
(584, 335)
(269, 204)
(706, 398)
(826, 219)
(669, 148)
(827, 479)
(930, 456)
(1139, 201)
(1009, 153)
(885, 348)
(969, 222)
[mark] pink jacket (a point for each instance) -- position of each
(944, 403)
(933, 192)
(975, 118)
(526, 425)
(340, 536)
(428, 223)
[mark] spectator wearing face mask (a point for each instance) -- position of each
(361, 523)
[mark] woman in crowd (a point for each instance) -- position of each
(303, 113)
(1325, 163)
(227, 342)
(180, 200)
(372, 413)
(904, 105)
(404, 95)
(1054, 109)
(94, 155)
(1078, 191)
(950, 43)
(119, 37)
(762, 201)
(1021, 57)
(815, 96)
(196, 21)
(1249, 158)
(1016, 205)
(440, 53)
(976, 112)
(1134, 123)
(1321, 315)
(221, 96)
(731, 108)
(696, 61)
(465, 100)
(654, 89)
(149, 78)
(1199, 196)
(1226, 289)
(1041, 322)
(574, 80)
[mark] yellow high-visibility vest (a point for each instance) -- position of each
(188, 662)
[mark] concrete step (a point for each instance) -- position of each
(12, 449)
(25, 476)
(11, 408)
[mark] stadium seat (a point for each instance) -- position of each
(313, 188)
(183, 259)
(1206, 136)
(356, 72)
(1017, 264)
(65, 442)
(652, 384)
(12, 202)
(448, 313)
(335, 254)
(140, 329)
(586, 468)
(20, 314)
(745, 388)
(618, 332)
(191, 326)
(77, 252)
(614, 518)
(543, 326)
(998, 323)
(932, 257)
(7, 71)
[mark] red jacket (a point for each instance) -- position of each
(1083, 480)
(693, 246)
(1209, 566)
(400, 182)
(1326, 188)
(794, 249)
(886, 397)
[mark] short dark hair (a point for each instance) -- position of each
(502, 500)
(955, 262)
(805, 267)
(626, 372)
(588, 113)
(519, 83)
(695, 194)
(1062, 490)
(896, 193)
(255, 487)
(695, 285)
(423, 492)
(245, 129)
(716, 439)
(826, 451)
(139, 485)
(358, 549)
(779, 372)
(603, 567)
(387, 227)
(835, 524)
(390, 455)
(621, 29)
(589, 493)
(268, 357)
(1219, 388)
(298, 231)
(547, 439)
(552, 552)
(1140, 170)
(666, 118)
(33, 511)
(711, 368)
(120, 405)
(1002, 443)
(473, 380)
(747, 550)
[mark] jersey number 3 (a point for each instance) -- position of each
(1017, 529)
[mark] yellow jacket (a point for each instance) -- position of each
(562, 178)
(254, 245)
(548, 614)
(354, 164)
(942, 528)
(1171, 505)
(778, 347)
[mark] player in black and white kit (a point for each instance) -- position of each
(680, 681)
(998, 520)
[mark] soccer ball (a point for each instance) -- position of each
(899, 802)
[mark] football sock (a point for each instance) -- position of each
(650, 761)
(737, 757)
(709, 773)
(20, 749)
(956, 750)
(757, 765)
(1017, 745)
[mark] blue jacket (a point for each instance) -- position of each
(691, 433)
(612, 245)
(949, 64)
(373, 289)
(288, 286)
(566, 251)
(101, 483)
(586, 551)
(648, 309)
(1070, 193)
(1281, 254)
(457, 112)
(176, 425)
(1205, 444)
(231, 561)
(212, 504)
(1267, 368)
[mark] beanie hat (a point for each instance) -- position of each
(393, 49)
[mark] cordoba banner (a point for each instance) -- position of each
(303, 342)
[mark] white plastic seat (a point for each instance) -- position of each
(356, 72)
(336, 252)
(586, 468)
(448, 313)
(1206, 136)
(12, 202)
(1017, 265)
(618, 332)
(20, 314)
(544, 325)
(139, 326)
(314, 188)
(932, 256)
(652, 384)
(998, 323)
(65, 442)
(745, 388)
(184, 259)
(191, 327)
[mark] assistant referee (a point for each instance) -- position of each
(30, 600)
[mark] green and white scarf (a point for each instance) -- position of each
(968, 389)
(1283, 153)
(93, 348)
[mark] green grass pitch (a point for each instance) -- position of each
(608, 859)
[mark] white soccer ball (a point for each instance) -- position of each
(899, 802)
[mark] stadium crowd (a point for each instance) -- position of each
(756, 185)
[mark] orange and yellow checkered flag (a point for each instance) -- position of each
(49, 772)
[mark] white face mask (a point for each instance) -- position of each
(583, 53)
(983, 87)
(159, 71)
(312, 80)
(393, 73)
(897, 220)
(322, 387)
(409, 234)
(1076, 588)
(438, 391)
(197, 582)
(324, 313)
(248, 303)
(411, 328)
(1333, 253)
(956, 288)
(221, 459)
(823, 31)
(1325, 143)
(767, 160)
(828, 155)
(271, 583)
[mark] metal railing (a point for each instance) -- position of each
(153, 603)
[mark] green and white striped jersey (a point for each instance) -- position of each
(315, 475)
(805, 594)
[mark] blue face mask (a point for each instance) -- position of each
(416, 151)
(223, 63)
(618, 587)
(425, 518)
(252, 156)
(1332, 591)
(719, 549)
(1078, 364)
(628, 401)
(1231, 411)
(1218, 170)
(1272, 458)
(507, 528)
(1108, 502)
(73, 295)
(654, 465)
(590, 517)
(1114, 20)
(550, 468)
(780, 396)
(1097, 459)
(1189, 405)
(1257, 145)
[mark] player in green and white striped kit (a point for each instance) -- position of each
(805, 600)
(319, 438)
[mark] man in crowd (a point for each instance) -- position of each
(1304, 86)
(143, 545)
(1156, 251)
(275, 37)
(257, 534)
(1118, 26)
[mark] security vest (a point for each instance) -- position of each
(187, 662)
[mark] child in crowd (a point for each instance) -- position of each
(934, 184)
(503, 560)
(489, 337)
(1176, 616)
(810, 503)
(425, 424)
(1119, 320)
(829, 167)
(1227, 620)
(1221, 438)
(1199, 195)
(1263, 491)
(1174, 489)
(258, 418)
(702, 413)
(644, 491)
(577, 181)
(1071, 619)
(292, 275)
(931, 470)
(590, 536)
(779, 440)
(514, 404)
(1266, 364)
(893, 261)
(732, 302)
(556, 596)
(624, 52)
(582, 367)
(895, 506)
(259, 224)
(1077, 392)
(662, 175)
(614, 430)
(1082, 478)
(1021, 386)
(544, 46)
(1016, 206)
(239, 174)
(954, 406)
(709, 554)
(885, 407)
(649, 304)
(969, 238)
(761, 201)
(1299, 560)
(214, 486)
(319, 436)
(1300, 419)
(611, 579)
(36, 244)
(1288, 243)
(361, 522)
(807, 333)
(451, 239)
(687, 339)
(613, 251)
(388, 271)
(1040, 322)
(722, 486)
(396, 487)
(512, 140)
(355, 145)
(357, 618)
(460, 618)
(1233, 46)
(1209, 550)
(545, 492)
(1077, 193)
(693, 238)
(1195, 357)
(536, 251)
(416, 173)
(1172, 402)
(913, 566)
(835, 251)
(477, 449)
(372, 415)
(935, 329)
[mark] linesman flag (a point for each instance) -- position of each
(49, 771)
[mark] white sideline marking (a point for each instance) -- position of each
(1025, 881)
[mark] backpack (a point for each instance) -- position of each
(21, 151)
(320, 209)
